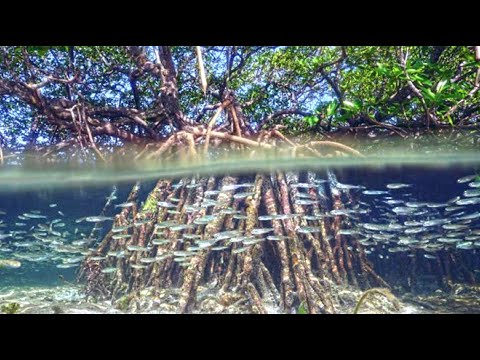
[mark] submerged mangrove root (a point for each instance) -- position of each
(256, 243)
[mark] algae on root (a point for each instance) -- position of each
(302, 309)
(150, 205)
(124, 302)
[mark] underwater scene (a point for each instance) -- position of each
(351, 238)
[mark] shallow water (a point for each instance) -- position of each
(52, 257)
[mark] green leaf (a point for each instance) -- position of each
(40, 50)
(332, 108)
(302, 309)
(349, 105)
(429, 94)
(382, 69)
(450, 121)
(441, 85)
(311, 120)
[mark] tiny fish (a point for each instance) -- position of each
(34, 216)
(138, 267)
(394, 202)
(437, 205)
(348, 186)
(66, 266)
(121, 236)
(465, 179)
(98, 218)
(469, 201)
(453, 208)
(275, 237)
(412, 223)
(183, 253)
(374, 192)
(466, 245)
(454, 227)
(348, 232)
(160, 241)
(243, 195)
(454, 200)
(402, 210)
(136, 248)
(371, 226)
(121, 228)
(226, 234)
(98, 258)
(125, 205)
(398, 186)
(414, 230)
(412, 204)
(109, 270)
(260, 231)
(302, 185)
(165, 204)
(338, 212)
(304, 202)
(474, 215)
(239, 250)
(468, 193)
(181, 227)
(308, 229)
(435, 222)
(141, 222)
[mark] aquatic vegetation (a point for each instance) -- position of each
(377, 291)
(57, 309)
(302, 309)
(123, 303)
(11, 308)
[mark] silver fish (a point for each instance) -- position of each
(398, 186)
(109, 270)
(98, 218)
(125, 205)
(374, 192)
(465, 179)
(468, 193)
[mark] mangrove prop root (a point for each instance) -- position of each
(286, 280)
(255, 299)
(296, 268)
(194, 272)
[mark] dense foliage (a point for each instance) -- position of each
(111, 95)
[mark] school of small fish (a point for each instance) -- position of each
(400, 224)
